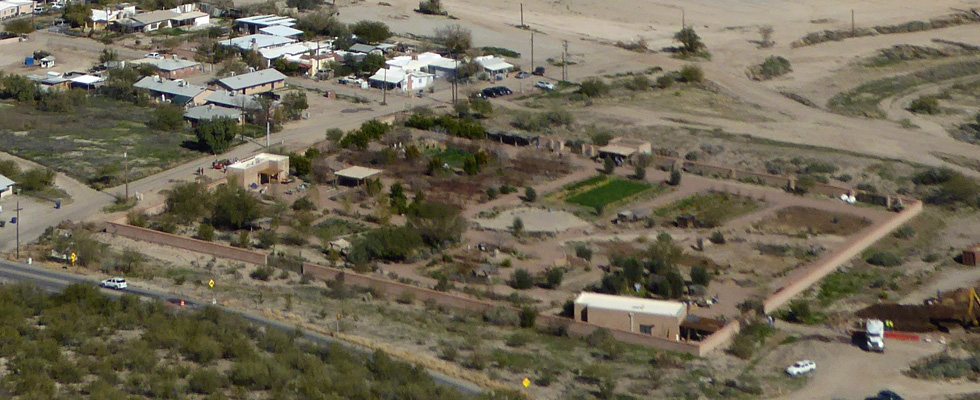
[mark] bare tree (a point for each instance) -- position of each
(454, 38)
(766, 32)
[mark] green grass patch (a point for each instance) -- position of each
(452, 156)
(710, 209)
(595, 180)
(614, 191)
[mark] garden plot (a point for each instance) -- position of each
(798, 221)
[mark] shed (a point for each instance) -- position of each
(971, 256)
(46, 62)
(355, 175)
(494, 65)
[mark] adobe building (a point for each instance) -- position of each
(658, 318)
(260, 169)
(971, 256)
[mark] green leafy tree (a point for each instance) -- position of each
(19, 27)
(700, 276)
(188, 202)
(167, 117)
(517, 227)
(675, 178)
(19, 88)
(690, 41)
(455, 38)
(293, 104)
(594, 87)
(437, 223)
(304, 5)
(481, 107)
(608, 165)
(217, 134)
(77, 14)
(371, 31)
(233, 206)
(639, 172)
(692, 74)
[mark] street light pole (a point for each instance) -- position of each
(384, 88)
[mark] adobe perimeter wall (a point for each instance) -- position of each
(835, 260)
(199, 246)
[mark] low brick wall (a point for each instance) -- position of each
(199, 246)
(830, 264)
(720, 338)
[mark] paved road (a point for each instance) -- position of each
(55, 282)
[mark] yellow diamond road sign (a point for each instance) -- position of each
(211, 284)
(527, 383)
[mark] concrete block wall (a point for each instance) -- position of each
(180, 242)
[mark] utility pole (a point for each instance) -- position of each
(852, 23)
(18, 228)
(126, 178)
(384, 89)
(564, 61)
(522, 15)
(683, 19)
(532, 51)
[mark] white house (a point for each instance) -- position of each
(257, 42)
(401, 79)
(6, 186)
(494, 65)
(13, 8)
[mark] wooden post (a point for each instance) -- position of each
(522, 15)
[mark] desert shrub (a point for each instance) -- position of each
(528, 316)
(138, 218)
(692, 74)
(553, 278)
(883, 258)
(675, 178)
(772, 67)
(205, 381)
(700, 276)
(262, 273)
(925, 105)
(584, 252)
(717, 237)
(593, 87)
(501, 316)
(521, 279)
(205, 232)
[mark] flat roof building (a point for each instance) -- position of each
(281, 30)
(494, 65)
(173, 67)
(624, 148)
(254, 82)
(255, 23)
(228, 99)
(659, 318)
(260, 169)
(355, 175)
(257, 42)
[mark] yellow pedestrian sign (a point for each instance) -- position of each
(527, 383)
(211, 284)
(74, 257)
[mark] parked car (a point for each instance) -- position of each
(114, 283)
(545, 85)
(801, 368)
(522, 75)
(496, 91)
(539, 71)
(886, 395)
(155, 56)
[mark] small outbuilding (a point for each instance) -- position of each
(658, 318)
(971, 256)
(355, 176)
(513, 138)
(494, 65)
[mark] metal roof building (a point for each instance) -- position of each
(255, 23)
(210, 111)
(175, 91)
(281, 30)
(659, 318)
(254, 82)
(257, 41)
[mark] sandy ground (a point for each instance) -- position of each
(535, 220)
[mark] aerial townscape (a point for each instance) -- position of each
(512, 199)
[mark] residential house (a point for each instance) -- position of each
(282, 31)
(6, 186)
(86, 81)
(260, 169)
(174, 91)
(658, 318)
(257, 42)
(392, 78)
(51, 82)
(149, 21)
(494, 65)
(208, 112)
(365, 49)
(253, 24)
(228, 99)
(254, 82)
(292, 52)
(102, 18)
(14, 8)
(189, 17)
(173, 67)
